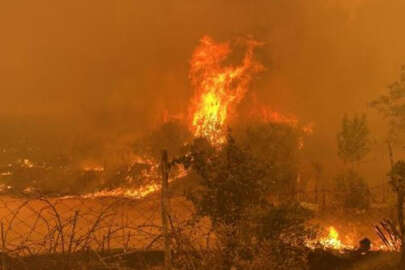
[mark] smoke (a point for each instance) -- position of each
(111, 68)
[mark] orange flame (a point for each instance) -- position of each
(218, 87)
(331, 241)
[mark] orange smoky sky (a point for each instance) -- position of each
(115, 66)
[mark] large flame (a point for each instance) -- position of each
(218, 87)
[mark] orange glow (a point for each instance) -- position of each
(218, 87)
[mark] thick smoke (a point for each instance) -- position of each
(103, 70)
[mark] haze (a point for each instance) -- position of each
(109, 69)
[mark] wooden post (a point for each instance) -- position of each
(3, 248)
(165, 210)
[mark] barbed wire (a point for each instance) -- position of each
(40, 224)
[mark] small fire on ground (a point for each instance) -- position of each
(333, 241)
(330, 241)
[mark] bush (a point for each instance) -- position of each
(250, 232)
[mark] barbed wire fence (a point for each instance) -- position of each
(41, 225)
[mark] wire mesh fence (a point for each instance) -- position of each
(40, 224)
(35, 225)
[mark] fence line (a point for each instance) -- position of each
(64, 225)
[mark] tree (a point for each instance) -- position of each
(231, 183)
(392, 107)
(353, 139)
(277, 147)
(233, 193)
(351, 191)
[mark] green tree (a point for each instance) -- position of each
(353, 139)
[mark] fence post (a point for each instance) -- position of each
(3, 248)
(165, 210)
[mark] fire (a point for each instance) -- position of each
(332, 241)
(265, 114)
(135, 193)
(141, 191)
(218, 87)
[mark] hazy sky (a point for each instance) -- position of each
(117, 64)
